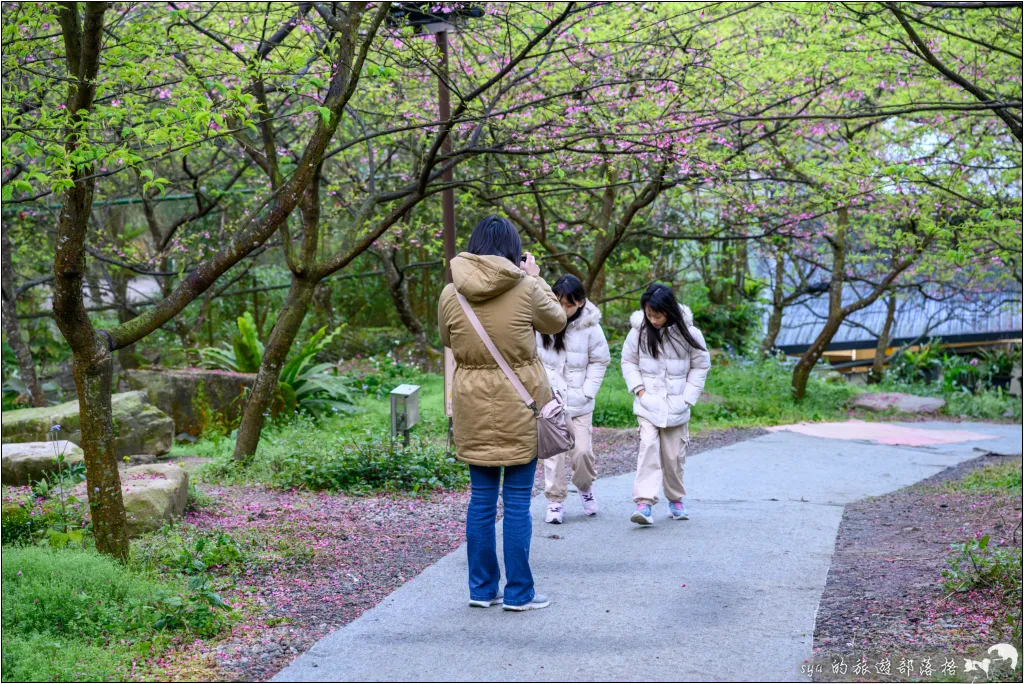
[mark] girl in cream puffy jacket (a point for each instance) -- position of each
(575, 360)
(665, 363)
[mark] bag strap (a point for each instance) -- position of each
(509, 373)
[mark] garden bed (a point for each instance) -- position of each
(885, 598)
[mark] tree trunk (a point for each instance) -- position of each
(398, 288)
(595, 286)
(878, 366)
(93, 364)
(94, 382)
(778, 304)
(803, 368)
(289, 320)
(26, 366)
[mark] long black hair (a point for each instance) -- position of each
(660, 298)
(497, 236)
(567, 287)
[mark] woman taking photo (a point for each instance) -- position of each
(494, 431)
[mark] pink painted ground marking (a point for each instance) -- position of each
(882, 433)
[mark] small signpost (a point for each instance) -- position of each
(405, 410)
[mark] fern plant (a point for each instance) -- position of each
(304, 385)
(242, 356)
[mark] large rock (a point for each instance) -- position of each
(28, 462)
(196, 399)
(903, 403)
(140, 427)
(153, 495)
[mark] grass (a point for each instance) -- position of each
(747, 393)
(73, 615)
(1003, 478)
(354, 453)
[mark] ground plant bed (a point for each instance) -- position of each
(886, 613)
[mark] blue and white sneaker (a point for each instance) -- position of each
(642, 515)
(677, 510)
(496, 601)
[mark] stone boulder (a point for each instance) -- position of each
(896, 401)
(28, 462)
(196, 399)
(141, 428)
(153, 495)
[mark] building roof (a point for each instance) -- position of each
(981, 318)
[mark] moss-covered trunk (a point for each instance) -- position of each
(93, 380)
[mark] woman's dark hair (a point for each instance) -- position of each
(497, 236)
(567, 287)
(660, 298)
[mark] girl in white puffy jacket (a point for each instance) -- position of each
(576, 360)
(664, 363)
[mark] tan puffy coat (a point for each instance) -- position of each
(493, 427)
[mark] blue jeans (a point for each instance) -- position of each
(517, 528)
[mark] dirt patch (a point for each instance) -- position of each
(884, 608)
(324, 559)
(616, 450)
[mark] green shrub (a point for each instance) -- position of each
(997, 365)
(382, 374)
(27, 518)
(976, 564)
(985, 404)
(21, 525)
(922, 365)
(188, 550)
(365, 341)
(363, 462)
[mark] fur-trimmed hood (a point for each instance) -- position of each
(590, 317)
(636, 319)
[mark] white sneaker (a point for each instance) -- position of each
(537, 603)
(554, 514)
(589, 502)
(496, 601)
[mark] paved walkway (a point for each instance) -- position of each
(729, 595)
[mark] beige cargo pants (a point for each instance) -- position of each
(581, 460)
(661, 460)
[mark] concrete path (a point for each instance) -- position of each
(729, 595)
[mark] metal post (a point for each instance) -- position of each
(447, 196)
(447, 205)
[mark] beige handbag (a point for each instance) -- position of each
(554, 432)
